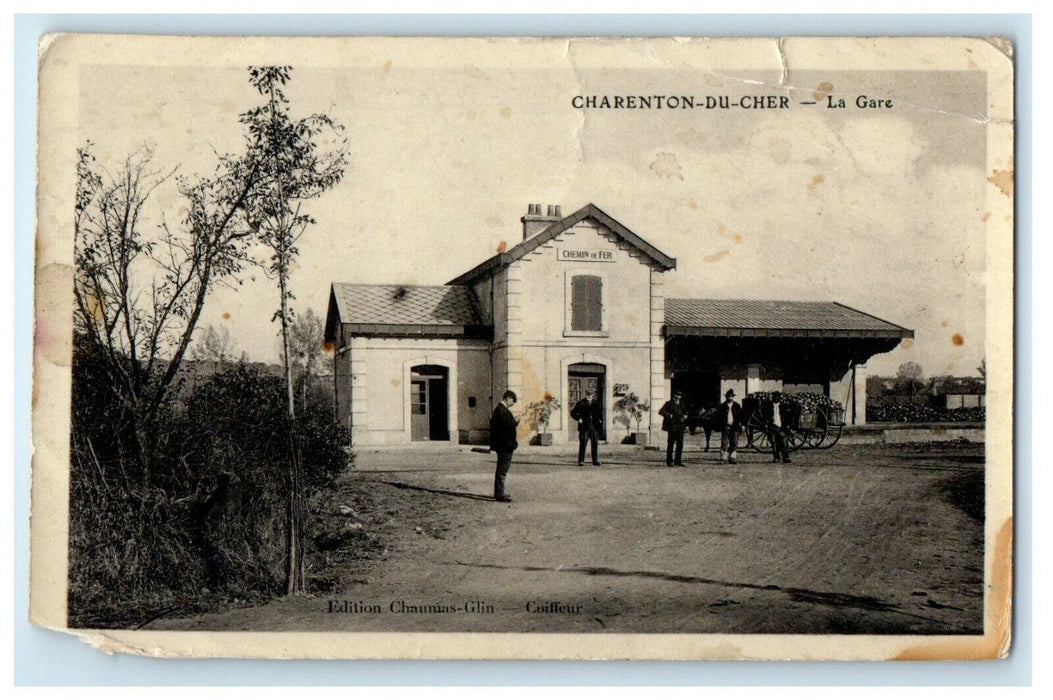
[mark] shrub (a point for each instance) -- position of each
(212, 521)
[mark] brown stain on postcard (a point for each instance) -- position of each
(506, 112)
(1003, 179)
(716, 256)
(531, 389)
(998, 613)
(723, 232)
(387, 65)
(816, 181)
(957, 339)
(502, 247)
(822, 90)
(51, 343)
(226, 315)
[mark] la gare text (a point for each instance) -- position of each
(743, 102)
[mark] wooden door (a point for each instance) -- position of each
(580, 386)
(420, 422)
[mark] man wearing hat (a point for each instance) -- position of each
(730, 416)
(503, 441)
(777, 420)
(674, 420)
(587, 413)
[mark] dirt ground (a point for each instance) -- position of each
(874, 539)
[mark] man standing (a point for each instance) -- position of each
(503, 441)
(674, 420)
(775, 417)
(587, 413)
(730, 416)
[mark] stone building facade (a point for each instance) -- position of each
(578, 304)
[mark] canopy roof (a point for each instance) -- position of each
(764, 318)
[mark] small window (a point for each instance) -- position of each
(586, 303)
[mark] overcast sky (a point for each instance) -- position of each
(882, 210)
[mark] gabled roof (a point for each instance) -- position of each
(588, 211)
(403, 310)
(753, 317)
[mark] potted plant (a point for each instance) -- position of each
(623, 410)
(631, 409)
(538, 415)
(641, 409)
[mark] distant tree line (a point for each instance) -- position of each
(910, 382)
(911, 397)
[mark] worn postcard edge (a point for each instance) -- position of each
(60, 56)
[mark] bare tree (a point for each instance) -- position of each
(293, 169)
(140, 284)
(982, 369)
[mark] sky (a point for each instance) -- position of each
(880, 209)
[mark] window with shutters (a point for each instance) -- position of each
(585, 312)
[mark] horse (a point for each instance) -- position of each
(706, 419)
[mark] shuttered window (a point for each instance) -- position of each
(586, 303)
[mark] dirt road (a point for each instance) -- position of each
(858, 539)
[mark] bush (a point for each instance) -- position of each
(212, 522)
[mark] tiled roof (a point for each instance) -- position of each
(394, 309)
(753, 317)
(589, 211)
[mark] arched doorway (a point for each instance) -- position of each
(429, 403)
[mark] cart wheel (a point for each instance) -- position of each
(813, 438)
(809, 439)
(757, 433)
(794, 439)
(833, 434)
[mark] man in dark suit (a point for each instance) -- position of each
(729, 415)
(674, 421)
(587, 413)
(503, 441)
(776, 418)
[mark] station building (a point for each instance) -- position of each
(579, 304)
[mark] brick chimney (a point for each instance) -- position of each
(535, 222)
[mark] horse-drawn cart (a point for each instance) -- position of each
(813, 421)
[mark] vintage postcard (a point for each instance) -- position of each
(499, 348)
